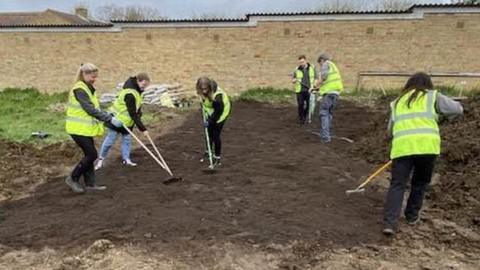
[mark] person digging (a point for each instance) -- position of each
(216, 109)
(414, 130)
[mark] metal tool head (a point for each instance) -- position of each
(358, 190)
(172, 180)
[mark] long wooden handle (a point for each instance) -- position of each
(377, 172)
(145, 147)
(207, 137)
(159, 155)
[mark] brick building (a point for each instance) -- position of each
(257, 50)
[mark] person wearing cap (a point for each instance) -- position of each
(330, 86)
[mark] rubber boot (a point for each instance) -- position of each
(74, 185)
(89, 178)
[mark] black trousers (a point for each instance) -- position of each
(214, 132)
(422, 167)
(303, 102)
(86, 166)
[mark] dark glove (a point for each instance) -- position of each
(205, 124)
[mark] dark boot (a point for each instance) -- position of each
(90, 183)
(74, 185)
(205, 157)
(216, 161)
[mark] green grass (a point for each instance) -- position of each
(23, 111)
(267, 95)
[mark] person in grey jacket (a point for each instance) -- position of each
(330, 86)
(415, 137)
(83, 122)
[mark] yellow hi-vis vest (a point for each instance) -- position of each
(208, 105)
(119, 107)
(415, 129)
(333, 83)
(299, 77)
(78, 121)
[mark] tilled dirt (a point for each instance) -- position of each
(277, 202)
(23, 166)
(277, 184)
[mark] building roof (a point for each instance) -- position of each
(52, 19)
(47, 18)
(247, 16)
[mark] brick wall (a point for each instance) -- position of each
(243, 57)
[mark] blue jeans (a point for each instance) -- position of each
(109, 141)
(327, 104)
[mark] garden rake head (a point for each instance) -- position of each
(361, 188)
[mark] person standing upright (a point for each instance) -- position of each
(331, 85)
(304, 78)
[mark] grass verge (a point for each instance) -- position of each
(23, 111)
(267, 95)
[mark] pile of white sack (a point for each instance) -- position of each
(165, 95)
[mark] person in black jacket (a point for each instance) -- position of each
(216, 107)
(127, 108)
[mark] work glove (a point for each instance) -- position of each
(205, 124)
(116, 122)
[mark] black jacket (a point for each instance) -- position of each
(135, 114)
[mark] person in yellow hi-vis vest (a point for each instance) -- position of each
(216, 107)
(127, 109)
(303, 78)
(331, 85)
(415, 145)
(83, 122)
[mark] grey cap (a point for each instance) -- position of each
(323, 56)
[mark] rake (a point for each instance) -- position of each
(361, 188)
(162, 163)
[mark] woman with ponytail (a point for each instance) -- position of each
(83, 123)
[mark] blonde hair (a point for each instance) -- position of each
(85, 68)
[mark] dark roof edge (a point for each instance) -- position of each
(106, 25)
(97, 24)
(307, 13)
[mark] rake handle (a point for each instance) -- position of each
(145, 147)
(159, 155)
(207, 137)
(377, 172)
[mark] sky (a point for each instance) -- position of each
(187, 8)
